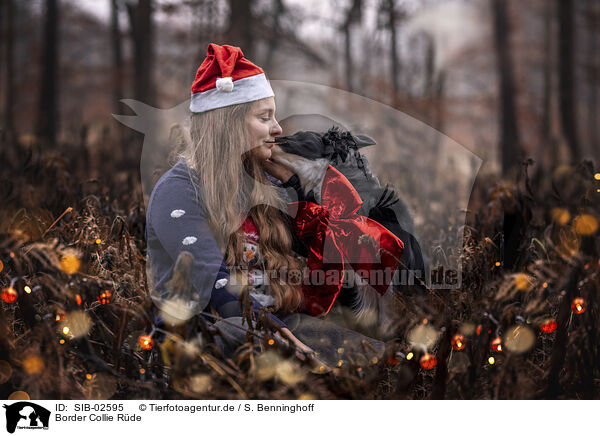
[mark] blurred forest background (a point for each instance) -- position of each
(505, 79)
(514, 83)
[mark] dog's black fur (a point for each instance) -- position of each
(309, 154)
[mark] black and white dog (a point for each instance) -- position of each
(309, 154)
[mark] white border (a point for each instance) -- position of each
(339, 417)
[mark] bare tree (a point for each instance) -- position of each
(142, 34)
(546, 127)
(240, 29)
(353, 16)
(593, 73)
(391, 18)
(47, 124)
(566, 75)
(508, 129)
(513, 221)
(430, 73)
(115, 32)
(206, 17)
(9, 63)
(278, 10)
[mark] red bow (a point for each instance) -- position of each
(335, 235)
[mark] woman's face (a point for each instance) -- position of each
(262, 128)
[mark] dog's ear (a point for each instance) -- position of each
(363, 141)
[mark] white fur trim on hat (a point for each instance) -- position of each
(244, 90)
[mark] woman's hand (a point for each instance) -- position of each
(278, 170)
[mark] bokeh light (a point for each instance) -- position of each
(70, 264)
(578, 306)
(548, 326)
(523, 282)
(146, 342)
(458, 342)
(497, 344)
(271, 365)
(423, 335)
(77, 323)
(104, 297)
(176, 311)
(585, 224)
(9, 295)
(519, 339)
(19, 396)
(200, 383)
(33, 364)
(428, 361)
(560, 216)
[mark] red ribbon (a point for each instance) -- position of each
(335, 235)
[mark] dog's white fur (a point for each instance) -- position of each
(372, 311)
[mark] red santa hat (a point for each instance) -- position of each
(226, 78)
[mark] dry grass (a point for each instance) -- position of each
(53, 217)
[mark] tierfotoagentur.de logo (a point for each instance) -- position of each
(26, 415)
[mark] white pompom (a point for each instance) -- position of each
(225, 84)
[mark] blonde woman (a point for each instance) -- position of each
(220, 203)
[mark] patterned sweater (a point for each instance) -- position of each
(176, 221)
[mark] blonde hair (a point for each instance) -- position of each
(231, 184)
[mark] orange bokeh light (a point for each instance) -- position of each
(105, 297)
(549, 325)
(9, 295)
(146, 342)
(578, 306)
(428, 361)
(458, 342)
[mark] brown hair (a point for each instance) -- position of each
(229, 186)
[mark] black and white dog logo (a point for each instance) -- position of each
(26, 415)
